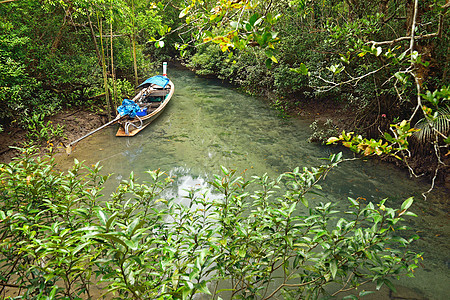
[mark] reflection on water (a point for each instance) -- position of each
(209, 124)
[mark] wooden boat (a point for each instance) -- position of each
(152, 99)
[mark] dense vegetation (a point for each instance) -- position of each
(238, 239)
(386, 60)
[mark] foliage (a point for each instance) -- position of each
(16, 86)
(393, 145)
(124, 88)
(322, 131)
(380, 59)
(50, 54)
(38, 131)
(436, 123)
(60, 236)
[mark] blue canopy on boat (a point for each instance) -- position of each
(128, 107)
(160, 80)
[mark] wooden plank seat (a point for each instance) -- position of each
(151, 104)
(158, 93)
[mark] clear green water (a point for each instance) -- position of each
(209, 124)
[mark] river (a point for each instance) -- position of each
(208, 124)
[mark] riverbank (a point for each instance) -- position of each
(76, 122)
(422, 163)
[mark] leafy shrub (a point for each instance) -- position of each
(60, 236)
(322, 131)
(38, 131)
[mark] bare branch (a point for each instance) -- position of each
(353, 80)
(433, 180)
(114, 35)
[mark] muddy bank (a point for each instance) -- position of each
(423, 161)
(76, 123)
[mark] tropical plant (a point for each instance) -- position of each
(260, 238)
(322, 131)
(436, 123)
(39, 131)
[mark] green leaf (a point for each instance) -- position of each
(401, 77)
(407, 203)
(53, 293)
(79, 247)
(353, 201)
(411, 214)
(203, 288)
(131, 244)
(269, 53)
(365, 293)
(102, 217)
(186, 291)
(113, 238)
(333, 268)
(253, 19)
(184, 12)
(292, 208)
(242, 252)
(135, 225)
(110, 220)
(303, 70)
(304, 201)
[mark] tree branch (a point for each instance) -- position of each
(332, 84)
(5, 283)
(419, 37)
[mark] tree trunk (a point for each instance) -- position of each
(94, 39)
(133, 43)
(60, 34)
(114, 97)
(409, 16)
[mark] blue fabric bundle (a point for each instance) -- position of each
(128, 107)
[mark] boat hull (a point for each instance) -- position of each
(131, 127)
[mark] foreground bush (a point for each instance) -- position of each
(59, 237)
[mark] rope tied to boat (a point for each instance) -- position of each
(128, 124)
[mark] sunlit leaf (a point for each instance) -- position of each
(333, 268)
(184, 12)
(407, 203)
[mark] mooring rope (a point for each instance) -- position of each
(127, 125)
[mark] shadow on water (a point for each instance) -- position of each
(209, 124)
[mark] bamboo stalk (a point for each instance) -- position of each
(105, 78)
(94, 38)
(133, 42)
(113, 74)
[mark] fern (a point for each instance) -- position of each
(429, 126)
